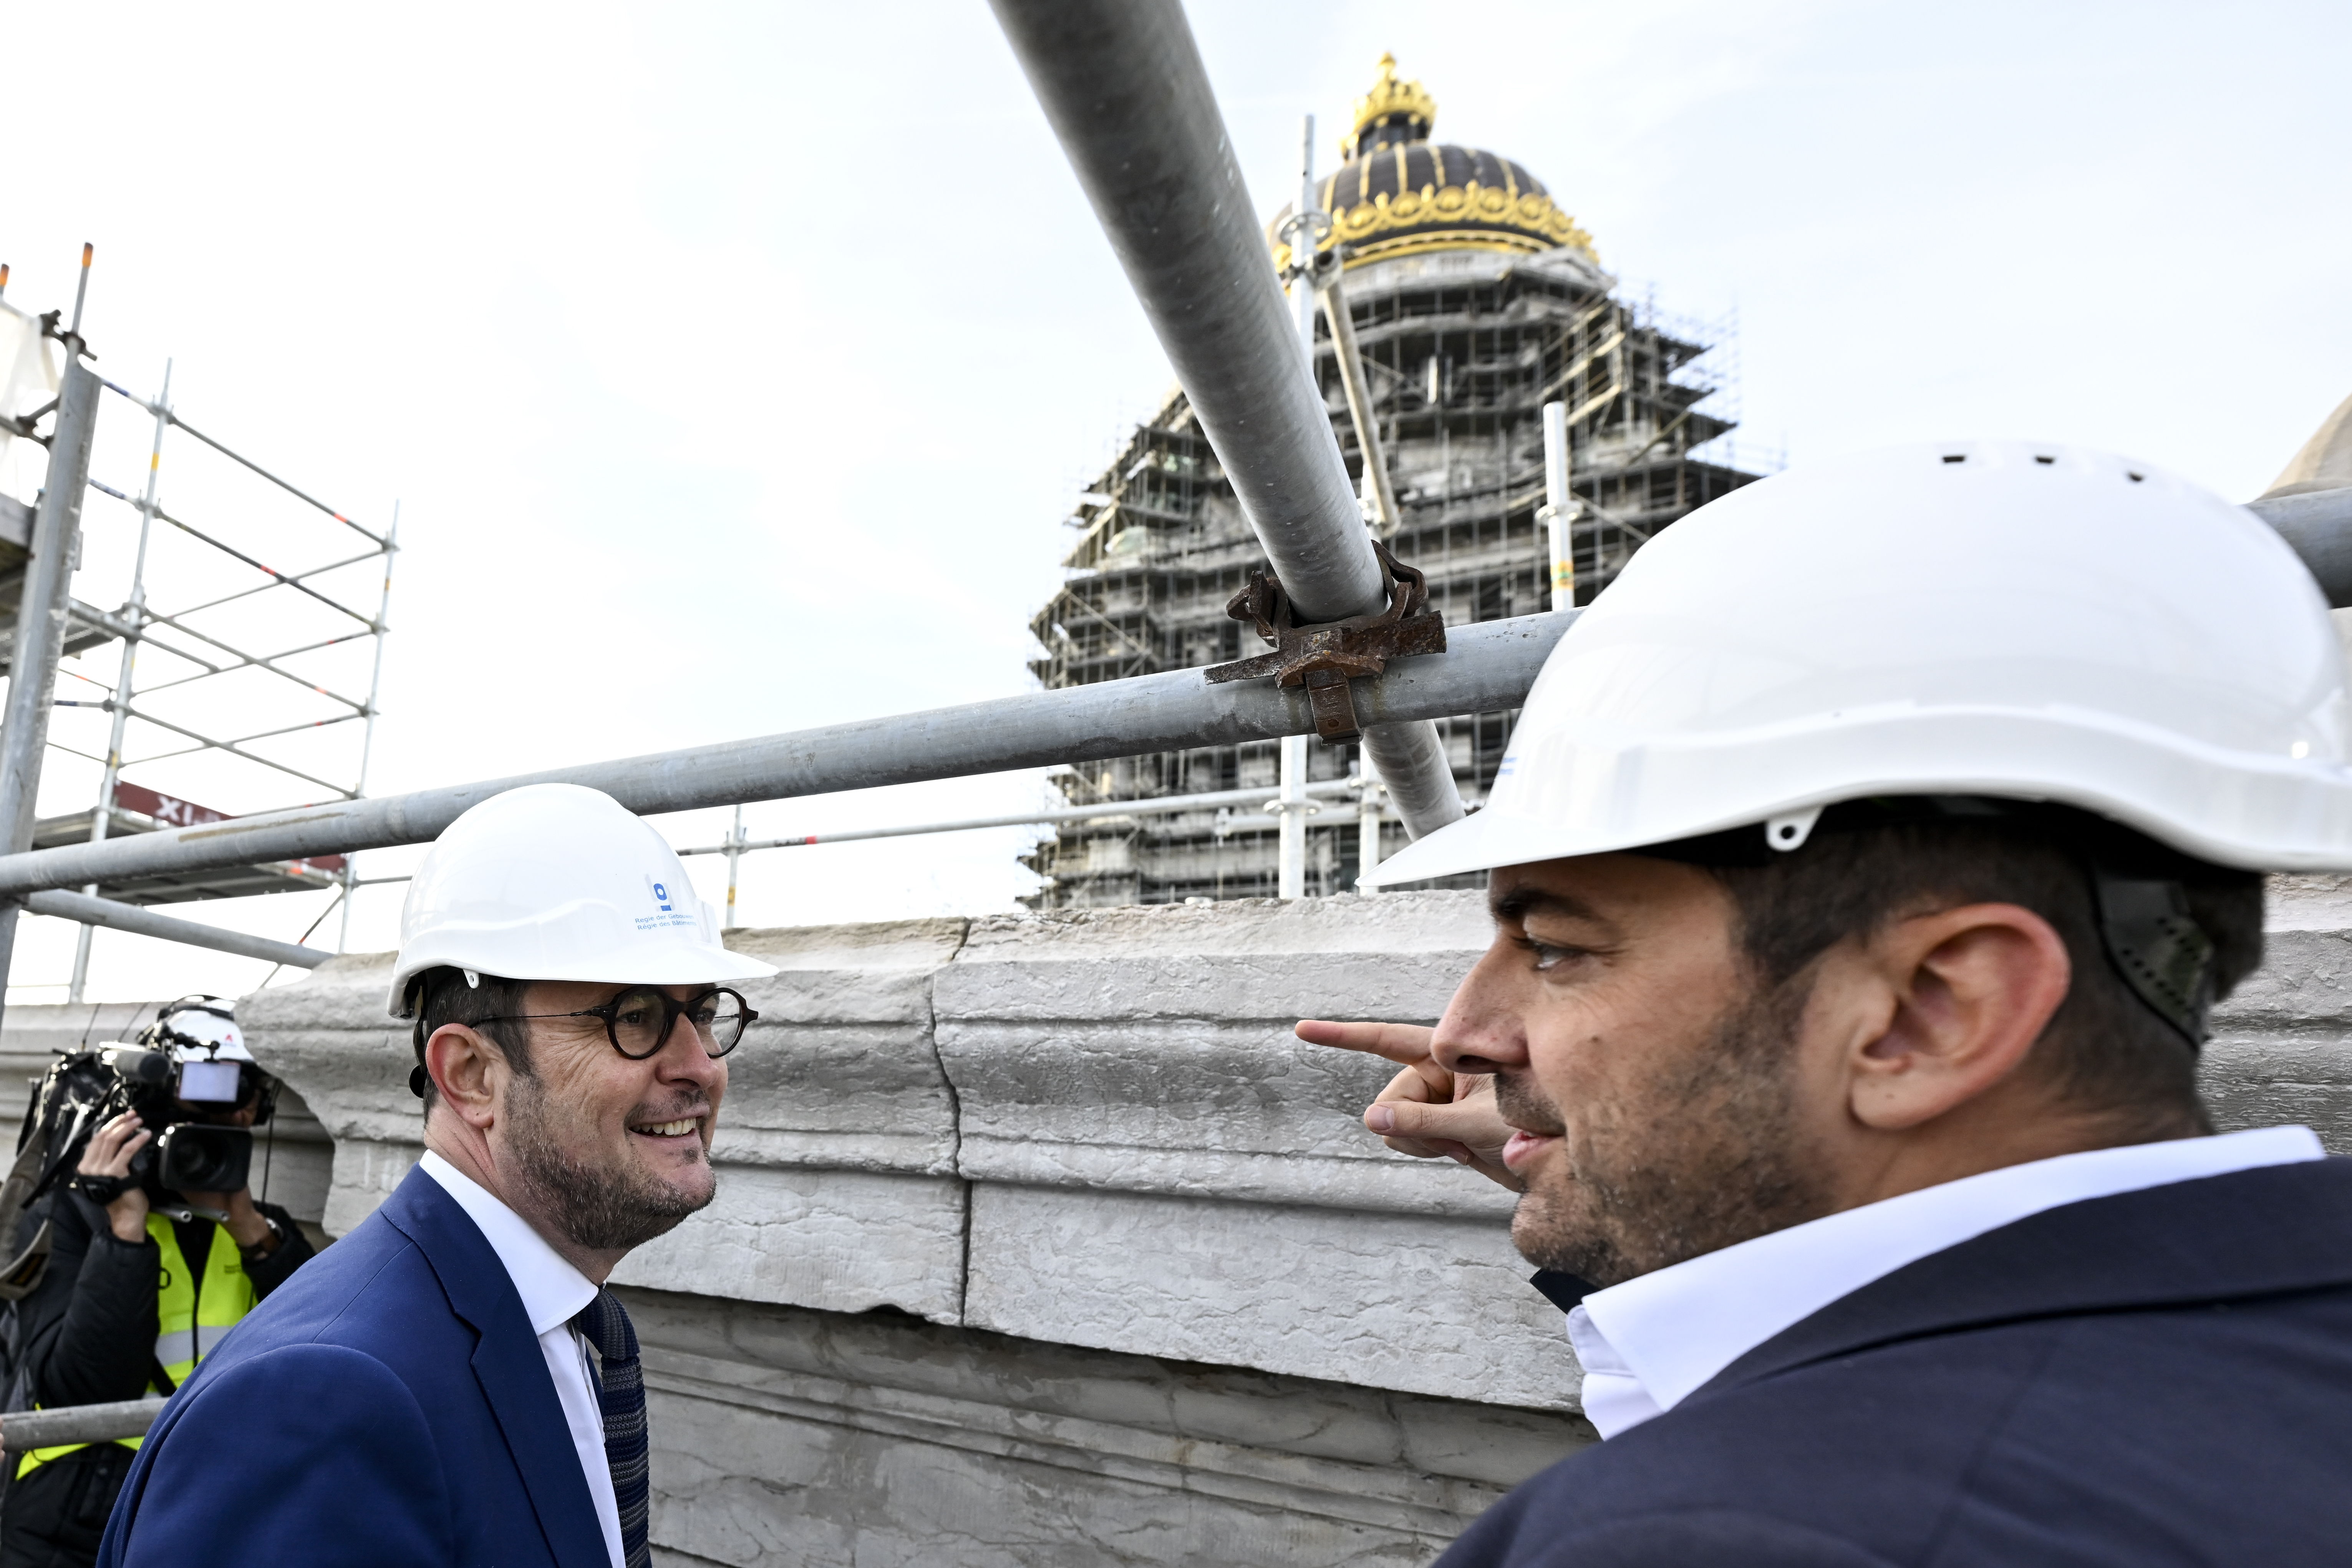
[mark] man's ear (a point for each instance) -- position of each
(465, 1069)
(1972, 990)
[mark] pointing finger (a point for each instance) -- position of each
(1404, 1043)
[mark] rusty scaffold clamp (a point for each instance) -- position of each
(1324, 659)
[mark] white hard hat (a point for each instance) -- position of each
(1984, 619)
(553, 881)
(200, 1028)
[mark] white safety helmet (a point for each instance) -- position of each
(198, 1028)
(1985, 618)
(200, 1036)
(554, 881)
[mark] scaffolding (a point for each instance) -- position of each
(227, 666)
(1093, 726)
(1463, 335)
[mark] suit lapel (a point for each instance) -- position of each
(507, 1363)
(2262, 1232)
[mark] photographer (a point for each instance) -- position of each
(143, 1279)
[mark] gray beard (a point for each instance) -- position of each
(1710, 1161)
(599, 1209)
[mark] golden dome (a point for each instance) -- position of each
(1399, 194)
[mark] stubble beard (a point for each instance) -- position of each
(1710, 1158)
(599, 1207)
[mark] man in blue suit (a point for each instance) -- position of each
(1865, 868)
(451, 1382)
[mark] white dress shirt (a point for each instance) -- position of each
(553, 1293)
(1649, 1343)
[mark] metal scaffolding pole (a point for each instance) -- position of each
(1558, 510)
(1290, 808)
(1368, 822)
(1304, 237)
(1379, 494)
(41, 616)
(1123, 85)
(1486, 667)
(135, 611)
(22, 1431)
(367, 734)
(734, 845)
(1295, 808)
(733, 850)
(139, 921)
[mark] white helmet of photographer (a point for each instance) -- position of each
(555, 881)
(2007, 620)
(199, 1029)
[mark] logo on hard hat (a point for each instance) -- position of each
(668, 914)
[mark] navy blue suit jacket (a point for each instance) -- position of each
(388, 1404)
(2158, 1377)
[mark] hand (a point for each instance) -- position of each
(1425, 1112)
(246, 1226)
(108, 1153)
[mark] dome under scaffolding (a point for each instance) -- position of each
(1475, 301)
(1399, 194)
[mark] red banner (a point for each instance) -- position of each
(171, 812)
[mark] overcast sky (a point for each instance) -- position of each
(734, 365)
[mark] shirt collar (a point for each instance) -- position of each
(553, 1292)
(1675, 1329)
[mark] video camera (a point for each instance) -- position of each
(175, 1071)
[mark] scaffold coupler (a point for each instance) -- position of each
(1324, 659)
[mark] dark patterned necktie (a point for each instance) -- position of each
(620, 1397)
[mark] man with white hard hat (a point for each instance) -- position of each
(452, 1381)
(1866, 866)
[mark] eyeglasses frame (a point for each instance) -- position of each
(672, 1010)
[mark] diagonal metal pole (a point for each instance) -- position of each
(134, 614)
(244, 660)
(1291, 808)
(41, 620)
(141, 922)
(1122, 83)
(266, 588)
(1378, 493)
(213, 742)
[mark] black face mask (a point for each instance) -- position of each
(2150, 936)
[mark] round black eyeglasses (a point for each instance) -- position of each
(639, 1020)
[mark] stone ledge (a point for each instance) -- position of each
(1422, 1304)
(827, 1420)
(1377, 1182)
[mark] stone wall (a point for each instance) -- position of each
(1041, 1240)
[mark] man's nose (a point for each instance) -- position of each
(1483, 1031)
(685, 1054)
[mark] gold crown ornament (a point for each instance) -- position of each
(1391, 102)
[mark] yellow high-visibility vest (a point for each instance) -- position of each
(193, 1310)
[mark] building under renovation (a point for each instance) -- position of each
(1476, 300)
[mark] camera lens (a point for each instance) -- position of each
(192, 1157)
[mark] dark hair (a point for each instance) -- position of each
(2104, 1048)
(442, 996)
